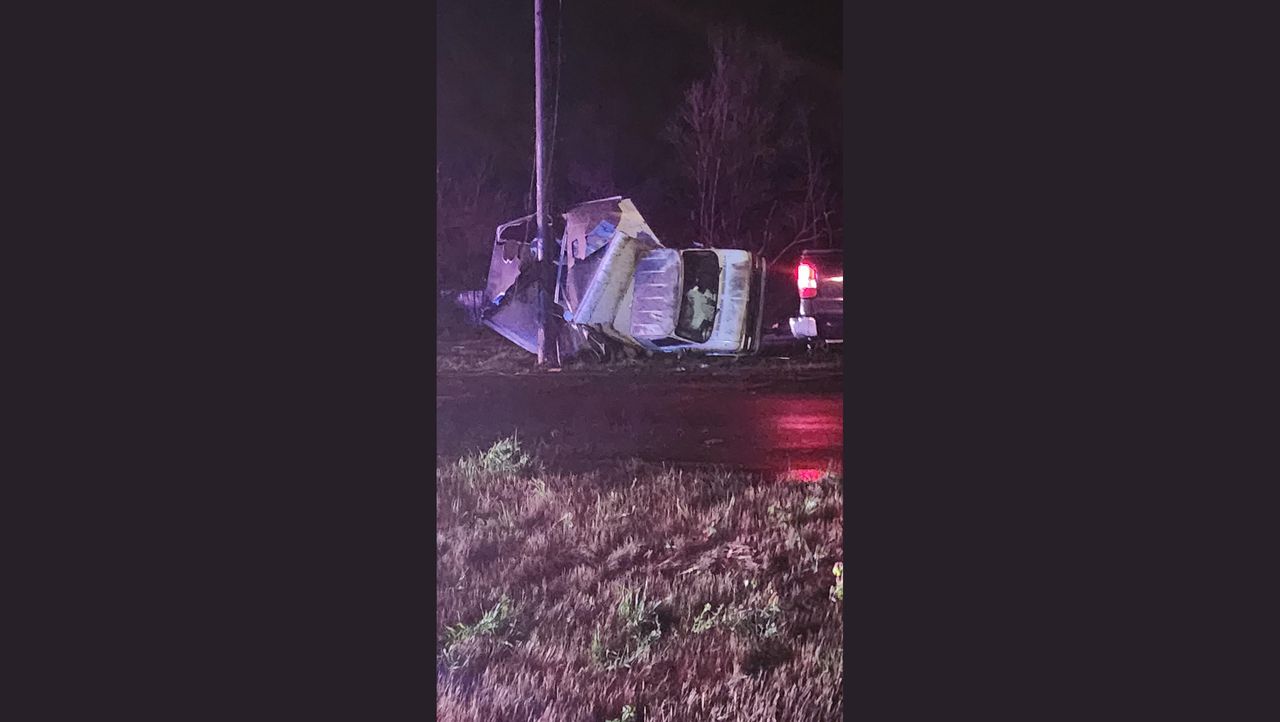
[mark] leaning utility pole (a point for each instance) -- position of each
(548, 353)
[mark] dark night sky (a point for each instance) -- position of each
(632, 59)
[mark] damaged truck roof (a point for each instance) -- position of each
(511, 290)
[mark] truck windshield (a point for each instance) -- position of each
(699, 295)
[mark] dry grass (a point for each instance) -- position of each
(484, 352)
(488, 353)
(634, 592)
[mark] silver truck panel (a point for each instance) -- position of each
(735, 290)
(604, 295)
(656, 299)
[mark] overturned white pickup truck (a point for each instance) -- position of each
(617, 284)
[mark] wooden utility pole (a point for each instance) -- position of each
(548, 353)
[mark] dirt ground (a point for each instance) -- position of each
(484, 352)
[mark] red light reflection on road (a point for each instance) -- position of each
(802, 430)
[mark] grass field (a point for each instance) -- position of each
(635, 593)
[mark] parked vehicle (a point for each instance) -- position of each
(618, 284)
(820, 286)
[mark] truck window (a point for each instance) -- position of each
(699, 295)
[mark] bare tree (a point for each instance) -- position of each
(757, 180)
(808, 207)
(725, 133)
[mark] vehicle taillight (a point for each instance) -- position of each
(807, 280)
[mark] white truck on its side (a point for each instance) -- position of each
(618, 284)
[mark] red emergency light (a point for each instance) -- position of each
(807, 280)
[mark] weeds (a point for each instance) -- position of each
(604, 563)
(704, 621)
(810, 506)
(492, 623)
(762, 622)
(630, 638)
(794, 515)
(538, 487)
(504, 457)
(628, 714)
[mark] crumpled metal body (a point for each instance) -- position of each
(616, 280)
